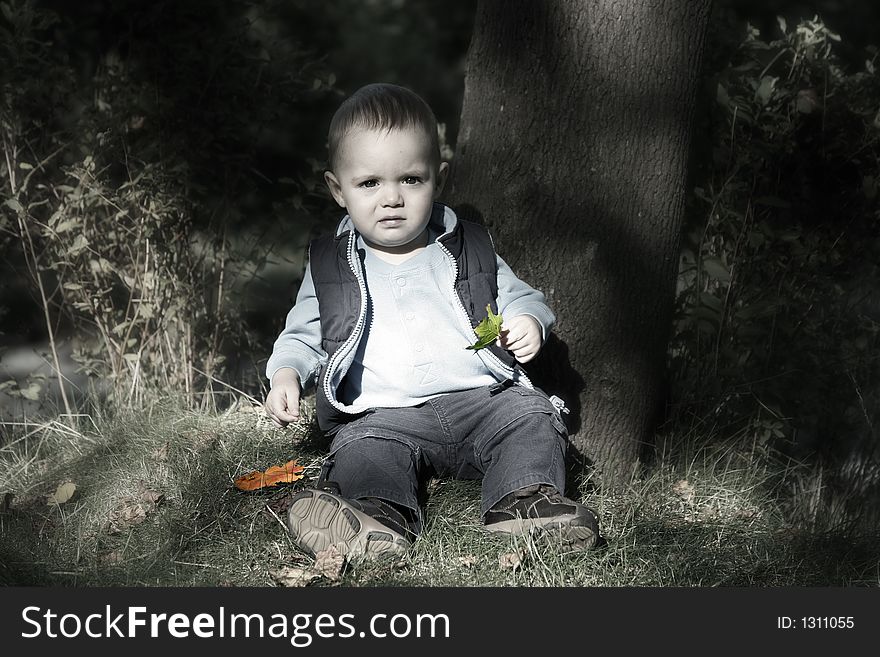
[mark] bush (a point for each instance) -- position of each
(778, 307)
(127, 187)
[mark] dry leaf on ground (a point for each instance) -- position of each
(747, 514)
(151, 496)
(127, 516)
(161, 452)
(111, 558)
(283, 474)
(329, 562)
(684, 489)
(62, 494)
(512, 560)
(133, 511)
(467, 561)
(292, 577)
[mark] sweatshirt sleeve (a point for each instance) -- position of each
(299, 345)
(518, 298)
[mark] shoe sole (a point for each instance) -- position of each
(318, 519)
(570, 529)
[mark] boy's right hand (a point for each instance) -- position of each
(282, 402)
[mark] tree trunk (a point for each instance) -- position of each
(572, 150)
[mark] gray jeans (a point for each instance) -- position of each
(507, 435)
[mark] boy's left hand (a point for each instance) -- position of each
(522, 336)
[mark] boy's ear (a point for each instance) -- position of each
(334, 187)
(442, 174)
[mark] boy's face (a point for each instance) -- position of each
(387, 180)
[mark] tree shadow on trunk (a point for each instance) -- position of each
(552, 371)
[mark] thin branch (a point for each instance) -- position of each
(223, 383)
(30, 254)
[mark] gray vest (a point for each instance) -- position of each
(339, 296)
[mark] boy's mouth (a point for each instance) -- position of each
(391, 221)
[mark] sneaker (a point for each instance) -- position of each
(543, 507)
(362, 529)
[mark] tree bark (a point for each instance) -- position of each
(572, 150)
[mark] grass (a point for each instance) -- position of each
(698, 517)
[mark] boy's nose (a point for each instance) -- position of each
(392, 196)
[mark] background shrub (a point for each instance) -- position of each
(778, 300)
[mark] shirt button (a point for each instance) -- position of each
(410, 316)
(401, 282)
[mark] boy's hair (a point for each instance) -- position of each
(382, 106)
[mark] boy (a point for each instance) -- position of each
(381, 325)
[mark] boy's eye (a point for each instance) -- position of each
(412, 180)
(368, 183)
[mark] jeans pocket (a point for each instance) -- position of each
(558, 405)
(348, 438)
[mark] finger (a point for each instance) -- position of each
(525, 351)
(520, 351)
(284, 414)
(525, 356)
(275, 410)
(285, 417)
(271, 415)
(525, 341)
(514, 340)
(507, 336)
(293, 405)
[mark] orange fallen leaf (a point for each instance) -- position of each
(277, 474)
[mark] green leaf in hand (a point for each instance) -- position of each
(488, 330)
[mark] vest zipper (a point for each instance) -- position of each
(352, 340)
(518, 377)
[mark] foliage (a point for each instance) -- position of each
(487, 330)
(778, 323)
(127, 189)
